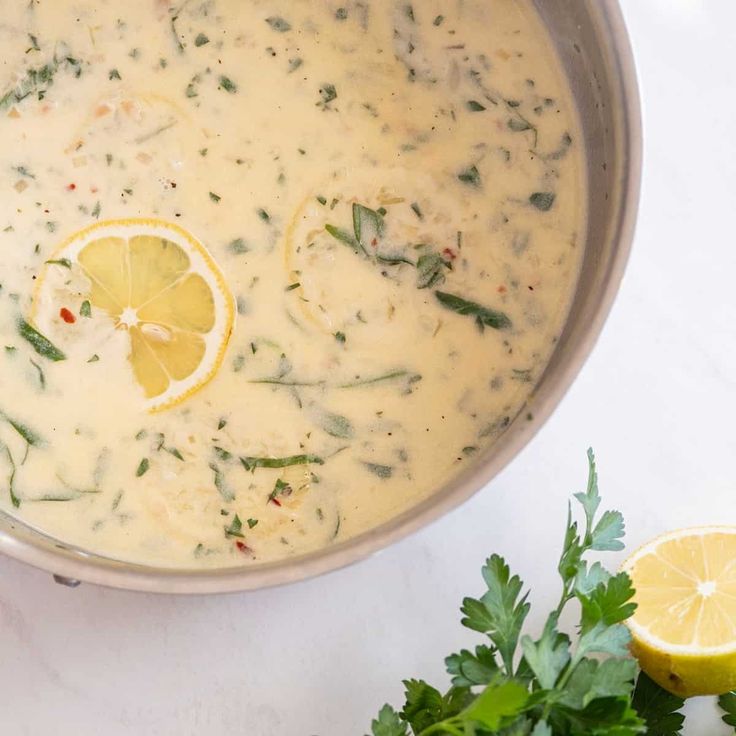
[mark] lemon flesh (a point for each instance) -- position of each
(684, 628)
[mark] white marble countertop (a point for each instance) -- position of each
(655, 401)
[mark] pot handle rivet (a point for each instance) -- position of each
(69, 582)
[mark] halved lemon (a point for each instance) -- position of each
(684, 629)
(155, 282)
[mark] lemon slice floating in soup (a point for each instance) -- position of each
(151, 280)
(380, 225)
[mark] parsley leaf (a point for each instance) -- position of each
(278, 24)
(499, 613)
(251, 463)
(603, 639)
(470, 176)
(608, 532)
(727, 703)
(548, 657)
(368, 225)
(592, 679)
(609, 602)
(543, 201)
(606, 717)
(227, 84)
(345, 237)
(388, 723)
(423, 705)
(40, 343)
(542, 729)
(484, 317)
(327, 93)
(588, 579)
(591, 499)
(235, 528)
(470, 669)
(431, 269)
(658, 708)
(25, 432)
(497, 703)
(336, 425)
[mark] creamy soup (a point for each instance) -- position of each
(272, 271)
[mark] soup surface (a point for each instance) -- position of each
(271, 271)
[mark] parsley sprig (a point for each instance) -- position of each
(518, 685)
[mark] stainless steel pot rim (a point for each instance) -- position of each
(73, 565)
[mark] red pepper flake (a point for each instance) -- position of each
(374, 242)
(67, 316)
(502, 289)
(276, 501)
(243, 547)
(71, 187)
(449, 254)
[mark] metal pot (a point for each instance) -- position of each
(592, 42)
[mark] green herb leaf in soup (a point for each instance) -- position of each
(346, 238)
(368, 226)
(382, 471)
(29, 435)
(431, 269)
(484, 316)
(542, 200)
(336, 425)
(251, 463)
(470, 176)
(278, 24)
(41, 344)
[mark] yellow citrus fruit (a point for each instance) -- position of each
(152, 280)
(684, 628)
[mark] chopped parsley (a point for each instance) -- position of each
(470, 176)
(228, 85)
(543, 201)
(280, 25)
(235, 528)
